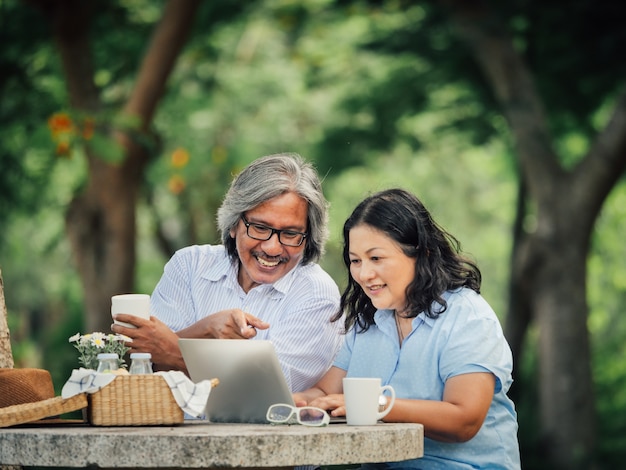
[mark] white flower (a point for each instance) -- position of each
(74, 338)
(91, 344)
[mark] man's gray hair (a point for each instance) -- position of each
(267, 178)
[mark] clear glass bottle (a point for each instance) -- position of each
(141, 363)
(108, 362)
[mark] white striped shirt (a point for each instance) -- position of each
(201, 280)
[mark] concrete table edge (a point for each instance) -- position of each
(204, 445)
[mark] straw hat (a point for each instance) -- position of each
(27, 396)
(18, 386)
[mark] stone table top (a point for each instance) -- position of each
(197, 444)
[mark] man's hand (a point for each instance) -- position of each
(155, 337)
(152, 336)
(227, 324)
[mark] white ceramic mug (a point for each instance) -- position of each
(361, 399)
(131, 304)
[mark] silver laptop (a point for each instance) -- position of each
(249, 373)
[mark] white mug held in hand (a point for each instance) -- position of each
(131, 304)
(361, 400)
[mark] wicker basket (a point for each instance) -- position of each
(134, 400)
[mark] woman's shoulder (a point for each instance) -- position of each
(467, 304)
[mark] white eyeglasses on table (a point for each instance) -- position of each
(282, 413)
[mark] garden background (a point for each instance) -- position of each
(122, 123)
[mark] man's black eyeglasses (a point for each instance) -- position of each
(263, 232)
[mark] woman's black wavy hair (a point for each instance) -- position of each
(439, 264)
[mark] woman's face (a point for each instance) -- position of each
(380, 267)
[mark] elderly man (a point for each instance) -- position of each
(263, 282)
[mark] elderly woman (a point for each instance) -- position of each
(415, 318)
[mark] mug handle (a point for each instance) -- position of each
(384, 413)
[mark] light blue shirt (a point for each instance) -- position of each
(466, 338)
(201, 280)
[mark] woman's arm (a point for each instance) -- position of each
(458, 417)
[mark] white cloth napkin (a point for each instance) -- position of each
(85, 381)
(190, 396)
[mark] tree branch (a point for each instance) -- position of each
(163, 50)
(513, 87)
(606, 160)
(165, 46)
(71, 20)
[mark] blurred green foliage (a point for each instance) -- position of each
(378, 94)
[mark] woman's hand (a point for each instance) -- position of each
(327, 394)
(334, 404)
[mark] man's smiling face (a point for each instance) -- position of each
(264, 262)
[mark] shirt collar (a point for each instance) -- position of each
(383, 316)
(384, 319)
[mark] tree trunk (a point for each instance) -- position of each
(556, 280)
(100, 221)
(566, 388)
(100, 224)
(6, 354)
(549, 272)
(518, 316)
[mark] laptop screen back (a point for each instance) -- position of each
(250, 377)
